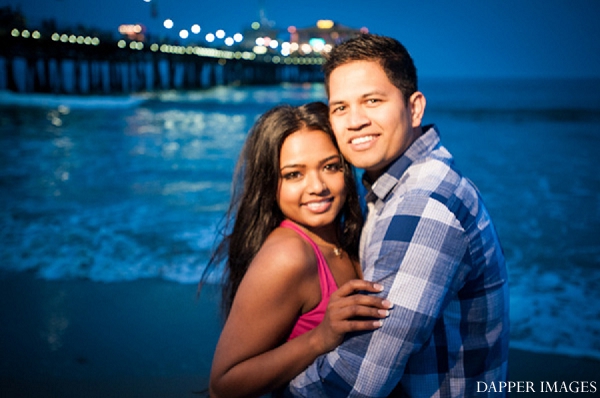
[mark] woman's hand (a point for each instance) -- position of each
(349, 311)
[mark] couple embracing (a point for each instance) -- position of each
(411, 302)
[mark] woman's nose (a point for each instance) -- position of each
(317, 184)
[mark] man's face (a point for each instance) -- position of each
(371, 121)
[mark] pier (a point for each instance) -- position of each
(32, 62)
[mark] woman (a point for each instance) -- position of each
(296, 225)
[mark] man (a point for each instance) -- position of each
(428, 239)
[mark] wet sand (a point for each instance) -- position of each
(149, 338)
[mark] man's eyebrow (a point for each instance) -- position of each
(365, 95)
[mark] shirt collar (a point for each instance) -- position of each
(388, 180)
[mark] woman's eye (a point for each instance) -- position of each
(333, 166)
(291, 175)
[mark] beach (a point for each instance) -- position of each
(150, 338)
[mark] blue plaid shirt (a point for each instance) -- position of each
(430, 242)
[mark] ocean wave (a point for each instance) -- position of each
(8, 98)
(556, 311)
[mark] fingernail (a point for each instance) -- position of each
(378, 286)
(387, 303)
(377, 324)
(385, 313)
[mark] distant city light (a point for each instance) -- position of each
(260, 41)
(324, 24)
(168, 23)
(229, 41)
(183, 33)
(273, 44)
(292, 29)
(220, 34)
(210, 37)
(196, 29)
(255, 25)
(147, 1)
(238, 37)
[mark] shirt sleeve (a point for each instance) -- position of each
(416, 254)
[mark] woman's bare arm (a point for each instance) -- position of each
(250, 359)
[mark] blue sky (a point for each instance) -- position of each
(476, 38)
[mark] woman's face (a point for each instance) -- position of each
(311, 179)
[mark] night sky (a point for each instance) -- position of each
(470, 38)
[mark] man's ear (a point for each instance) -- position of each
(417, 105)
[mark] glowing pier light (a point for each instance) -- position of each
(260, 50)
(196, 29)
(317, 44)
(273, 44)
(260, 41)
(229, 41)
(220, 34)
(306, 48)
(183, 33)
(210, 37)
(238, 37)
(168, 23)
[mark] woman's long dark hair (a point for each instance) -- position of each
(253, 211)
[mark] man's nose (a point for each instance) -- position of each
(357, 118)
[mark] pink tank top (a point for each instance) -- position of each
(315, 316)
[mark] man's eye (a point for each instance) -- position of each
(338, 109)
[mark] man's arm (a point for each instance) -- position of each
(417, 255)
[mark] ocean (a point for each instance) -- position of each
(115, 189)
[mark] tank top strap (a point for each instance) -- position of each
(326, 279)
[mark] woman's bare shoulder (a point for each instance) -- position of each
(284, 272)
(285, 251)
